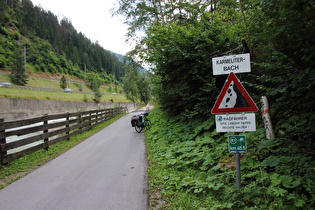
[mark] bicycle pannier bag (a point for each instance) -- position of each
(134, 120)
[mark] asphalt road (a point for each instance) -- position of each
(106, 171)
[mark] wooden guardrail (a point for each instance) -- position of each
(22, 137)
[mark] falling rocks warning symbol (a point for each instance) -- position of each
(233, 98)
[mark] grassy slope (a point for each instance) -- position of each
(55, 84)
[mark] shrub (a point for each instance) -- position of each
(85, 99)
(16, 35)
(63, 82)
(4, 31)
(2, 61)
(78, 85)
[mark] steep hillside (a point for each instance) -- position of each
(50, 45)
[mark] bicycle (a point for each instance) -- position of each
(140, 122)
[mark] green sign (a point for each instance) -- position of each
(237, 144)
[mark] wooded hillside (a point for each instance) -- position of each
(190, 165)
(52, 45)
(182, 37)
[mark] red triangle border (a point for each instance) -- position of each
(252, 106)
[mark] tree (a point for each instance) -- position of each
(97, 96)
(292, 22)
(137, 86)
(95, 87)
(94, 82)
(144, 87)
(63, 82)
(18, 75)
(130, 82)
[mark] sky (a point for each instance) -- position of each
(93, 19)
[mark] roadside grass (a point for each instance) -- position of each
(21, 167)
(57, 96)
(161, 191)
(55, 84)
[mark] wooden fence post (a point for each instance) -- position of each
(45, 131)
(107, 114)
(2, 141)
(103, 115)
(67, 126)
(96, 116)
(80, 123)
(90, 118)
(266, 118)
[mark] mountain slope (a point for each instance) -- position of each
(52, 46)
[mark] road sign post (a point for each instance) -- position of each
(232, 104)
(238, 170)
(237, 144)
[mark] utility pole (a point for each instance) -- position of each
(114, 79)
(85, 73)
(24, 59)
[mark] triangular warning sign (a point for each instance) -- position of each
(233, 98)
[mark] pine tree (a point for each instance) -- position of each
(63, 82)
(18, 75)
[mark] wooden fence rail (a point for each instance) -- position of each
(22, 137)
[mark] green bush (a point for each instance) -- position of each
(37, 68)
(4, 31)
(51, 68)
(79, 86)
(9, 45)
(16, 35)
(4, 18)
(2, 61)
(85, 99)
(191, 160)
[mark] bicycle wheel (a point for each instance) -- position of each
(147, 124)
(138, 129)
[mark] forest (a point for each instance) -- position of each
(190, 166)
(52, 45)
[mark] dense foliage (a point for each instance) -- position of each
(184, 36)
(53, 46)
(137, 86)
(190, 167)
(181, 38)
